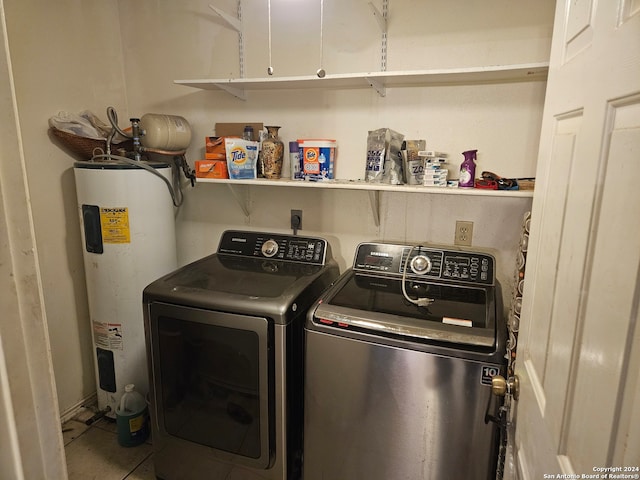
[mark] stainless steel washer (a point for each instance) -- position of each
(224, 341)
(399, 387)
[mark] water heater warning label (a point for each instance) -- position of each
(108, 335)
(115, 225)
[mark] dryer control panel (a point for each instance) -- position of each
(425, 262)
(291, 248)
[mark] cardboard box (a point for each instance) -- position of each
(237, 129)
(214, 148)
(211, 169)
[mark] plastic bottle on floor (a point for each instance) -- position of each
(132, 418)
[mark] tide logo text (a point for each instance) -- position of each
(238, 156)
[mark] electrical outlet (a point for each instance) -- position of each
(296, 221)
(464, 233)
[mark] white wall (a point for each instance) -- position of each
(164, 42)
(127, 54)
(30, 437)
(66, 55)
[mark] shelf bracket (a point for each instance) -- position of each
(374, 199)
(380, 18)
(241, 195)
(235, 24)
(378, 86)
(236, 92)
(232, 22)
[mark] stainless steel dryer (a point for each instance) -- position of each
(400, 352)
(225, 347)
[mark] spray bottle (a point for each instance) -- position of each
(468, 169)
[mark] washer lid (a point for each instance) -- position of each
(384, 295)
(457, 313)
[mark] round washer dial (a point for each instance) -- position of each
(421, 264)
(269, 248)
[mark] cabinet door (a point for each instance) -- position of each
(579, 352)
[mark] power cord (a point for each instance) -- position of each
(421, 301)
(296, 221)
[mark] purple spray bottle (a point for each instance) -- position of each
(468, 169)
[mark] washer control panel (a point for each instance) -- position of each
(425, 262)
(293, 248)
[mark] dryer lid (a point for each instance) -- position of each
(241, 276)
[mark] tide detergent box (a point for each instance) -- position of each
(318, 158)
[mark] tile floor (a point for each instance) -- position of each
(93, 452)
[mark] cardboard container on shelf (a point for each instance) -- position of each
(214, 148)
(236, 129)
(318, 158)
(211, 169)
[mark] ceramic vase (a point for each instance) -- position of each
(272, 153)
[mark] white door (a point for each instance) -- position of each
(579, 348)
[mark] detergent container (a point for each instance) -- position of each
(132, 418)
(318, 158)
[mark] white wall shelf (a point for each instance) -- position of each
(239, 189)
(378, 80)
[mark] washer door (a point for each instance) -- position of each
(210, 376)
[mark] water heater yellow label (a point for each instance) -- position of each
(115, 225)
